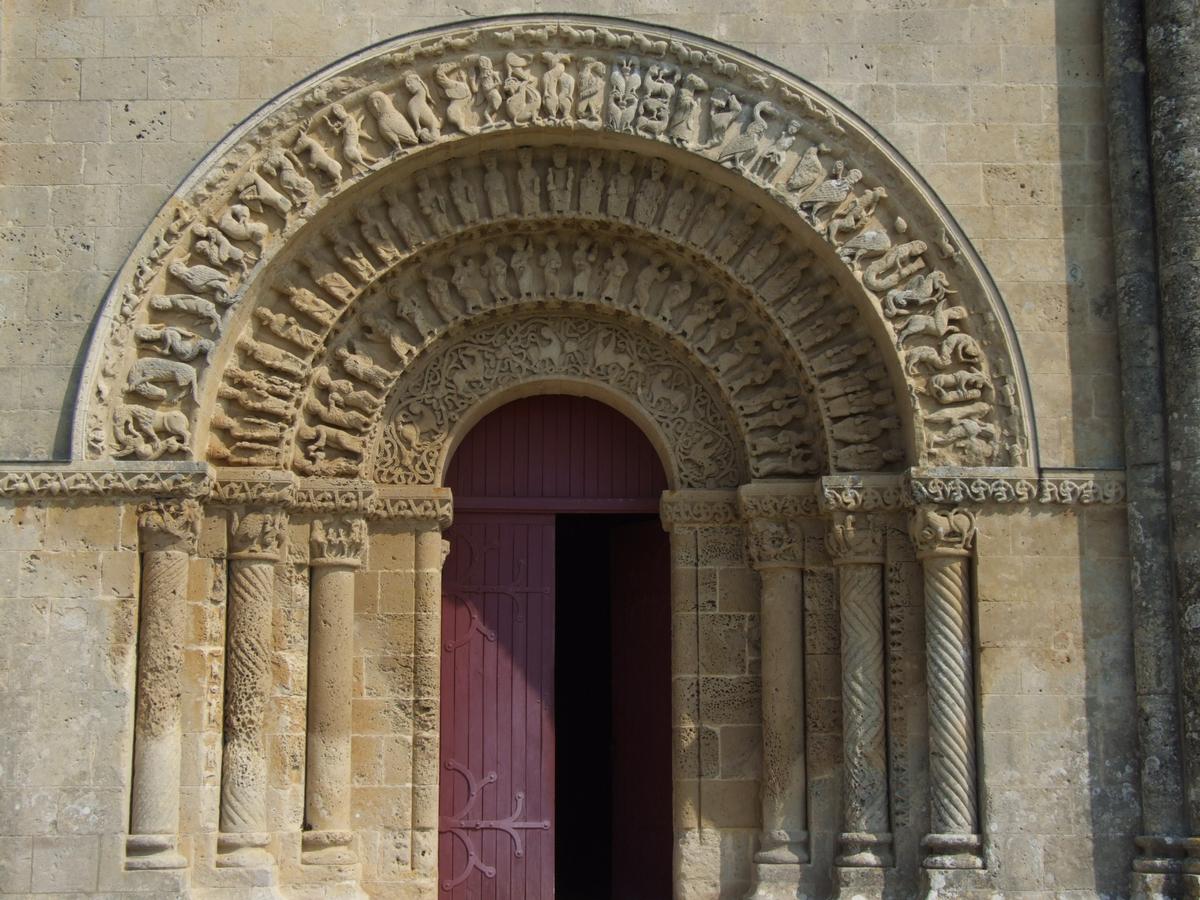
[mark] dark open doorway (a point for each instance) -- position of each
(556, 660)
(613, 791)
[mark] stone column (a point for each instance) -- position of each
(944, 540)
(855, 545)
(430, 554)
(336, 551)
(1172, 35)
(167, 533)
(256, 542)
(1158, 864)
(776, 544)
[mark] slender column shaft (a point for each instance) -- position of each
(784, 836)
(256, 543)
(337, 549)
(856, 547)
(167, 534)
(431, 553)
(944, 541)
(1155, 660)
(1172, 33)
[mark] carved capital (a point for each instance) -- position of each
(169, 525)
(338, 541)
(698, 509)
(939, 532)
(855, 538)
(775, 543)
(257, 534)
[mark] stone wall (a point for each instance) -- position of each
(107, 106)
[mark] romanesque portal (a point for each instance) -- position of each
(711, 248)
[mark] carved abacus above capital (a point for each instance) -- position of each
(170, 524)
(338, 541)
(942, 532)
(855, 538)
(257, 534)
(698, 509)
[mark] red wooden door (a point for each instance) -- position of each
(640, 580)
(496, 801)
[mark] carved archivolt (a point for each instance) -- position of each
(244, 312)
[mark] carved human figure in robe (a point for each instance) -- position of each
(522, 263)
(490, 86)
(591, 186)
(496, 269)
(433, 205)
(620, 188)
(560, 179)
(683, 129)
(613, 276)
(463, 194)
(529, 185)
(552, 263)
(495, 188)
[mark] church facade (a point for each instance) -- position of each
(559, 454)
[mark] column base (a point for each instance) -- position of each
(952, 851)
(1158, 868)
(782, 848)
(1191, 869)
(246, 850)
(327, 848)
(858, 882)
(864, 849)
(153, 851)
(776, 881)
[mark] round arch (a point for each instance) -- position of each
(915, 334)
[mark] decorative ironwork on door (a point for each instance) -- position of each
(497, 737)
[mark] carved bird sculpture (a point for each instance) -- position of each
(809, 170)
(743, 150)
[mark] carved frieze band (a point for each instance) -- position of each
(850, 493)
(823, 180)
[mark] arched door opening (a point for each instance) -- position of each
(555, 692)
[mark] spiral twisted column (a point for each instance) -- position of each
(855, 545)
(776, 545)
(256, 543)
(167, 533)
(337, 547)
(944, 541)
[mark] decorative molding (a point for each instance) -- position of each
(807, 185)
(698, 509)
(422, 506)
(1054, 486)
(314, 495)
(779, 500)
(105, 479)
(247, 487)
(865, 493)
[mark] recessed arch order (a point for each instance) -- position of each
(545, 199)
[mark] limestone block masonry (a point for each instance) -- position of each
(921, 644)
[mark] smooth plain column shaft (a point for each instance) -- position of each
(330, 685)
(785, 784)
(429, 556)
